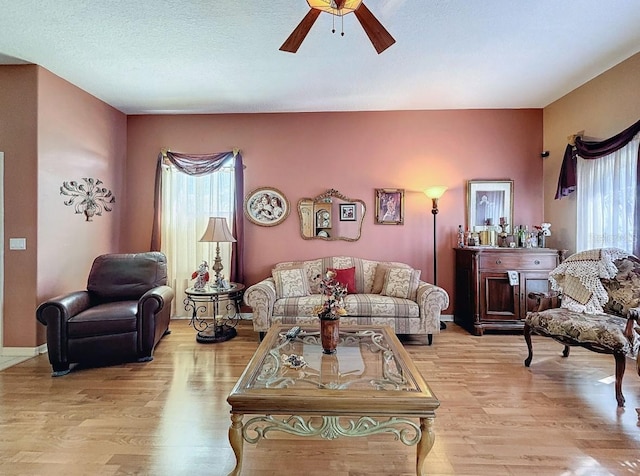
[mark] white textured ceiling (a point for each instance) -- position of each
(221, 56)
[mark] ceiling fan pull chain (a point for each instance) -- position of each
(342, 20)
(333, 23)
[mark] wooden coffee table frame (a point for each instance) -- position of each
(333, 413)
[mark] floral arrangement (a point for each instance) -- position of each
(333, 306)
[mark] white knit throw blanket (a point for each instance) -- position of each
(578, 279)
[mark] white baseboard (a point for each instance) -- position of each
(24, 351)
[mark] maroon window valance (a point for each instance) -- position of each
(198, 165)
(589, 150)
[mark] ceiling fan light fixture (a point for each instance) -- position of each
(380, 38)
(335, 7)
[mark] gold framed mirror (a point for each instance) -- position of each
(331, 216)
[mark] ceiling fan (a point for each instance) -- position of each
(379, 36)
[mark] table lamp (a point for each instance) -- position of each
(217, 231)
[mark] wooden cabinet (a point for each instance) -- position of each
(307, 218)
(486, 298)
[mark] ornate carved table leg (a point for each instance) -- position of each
(425, 444)
(527, 339)
(236, 440)
(620, 367)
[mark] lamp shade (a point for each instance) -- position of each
(217, 231)
(435, 192)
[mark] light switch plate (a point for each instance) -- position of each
(17, 243)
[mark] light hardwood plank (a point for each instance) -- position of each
(170, 416)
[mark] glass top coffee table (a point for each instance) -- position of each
(370, 385)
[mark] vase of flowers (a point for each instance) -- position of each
(330, 311)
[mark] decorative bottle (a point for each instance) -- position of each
(460, 237)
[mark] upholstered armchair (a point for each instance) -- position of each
(120, 317)
(595, 305)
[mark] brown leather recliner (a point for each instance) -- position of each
(121, 316)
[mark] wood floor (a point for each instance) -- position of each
(170, 416)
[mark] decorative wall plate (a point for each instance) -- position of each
(266, 206)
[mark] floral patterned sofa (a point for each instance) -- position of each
(598, 294)
(381, 293)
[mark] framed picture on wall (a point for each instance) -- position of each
(389, 206)
(266, 206)
(489, 203)
(348, 212)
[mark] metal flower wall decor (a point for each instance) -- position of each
(88, 197)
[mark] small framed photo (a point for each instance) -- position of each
(389, 206)
(266, 206)
(489, 203)
(348, 212)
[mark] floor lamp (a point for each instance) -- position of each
(434, 193)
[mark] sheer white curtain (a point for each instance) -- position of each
(606, 199)
(187, 203)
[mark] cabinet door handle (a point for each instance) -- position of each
(536, 261)
(498, 261)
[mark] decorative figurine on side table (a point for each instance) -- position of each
(201, 276)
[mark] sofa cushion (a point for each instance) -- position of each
(579, 279)
(401, 283)
(623, 289)
(120, 318)
(346, 277)
(378, 279)
(290, 282)
(127, 276)
(381, 269)
(370, 305)
(600, 329)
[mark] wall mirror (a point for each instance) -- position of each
(331, 216)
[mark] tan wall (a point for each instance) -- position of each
(304, 154)
(18, 140)
(601, 108)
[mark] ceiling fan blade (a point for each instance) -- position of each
(298, 35)
(379, 36)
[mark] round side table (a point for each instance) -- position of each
(222, 328)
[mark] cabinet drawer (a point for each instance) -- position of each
(507, 261)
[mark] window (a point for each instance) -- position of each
(187, 203)
(606, 199)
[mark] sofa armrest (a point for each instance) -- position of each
(54, 313)
(261, 297)
(61, 308)
(432, 300)
(154, 300)
(154, 315)
(544, 301)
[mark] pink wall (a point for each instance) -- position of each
(78, 136)
(304, 154)
(51, 131)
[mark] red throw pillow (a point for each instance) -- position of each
(347, 278)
